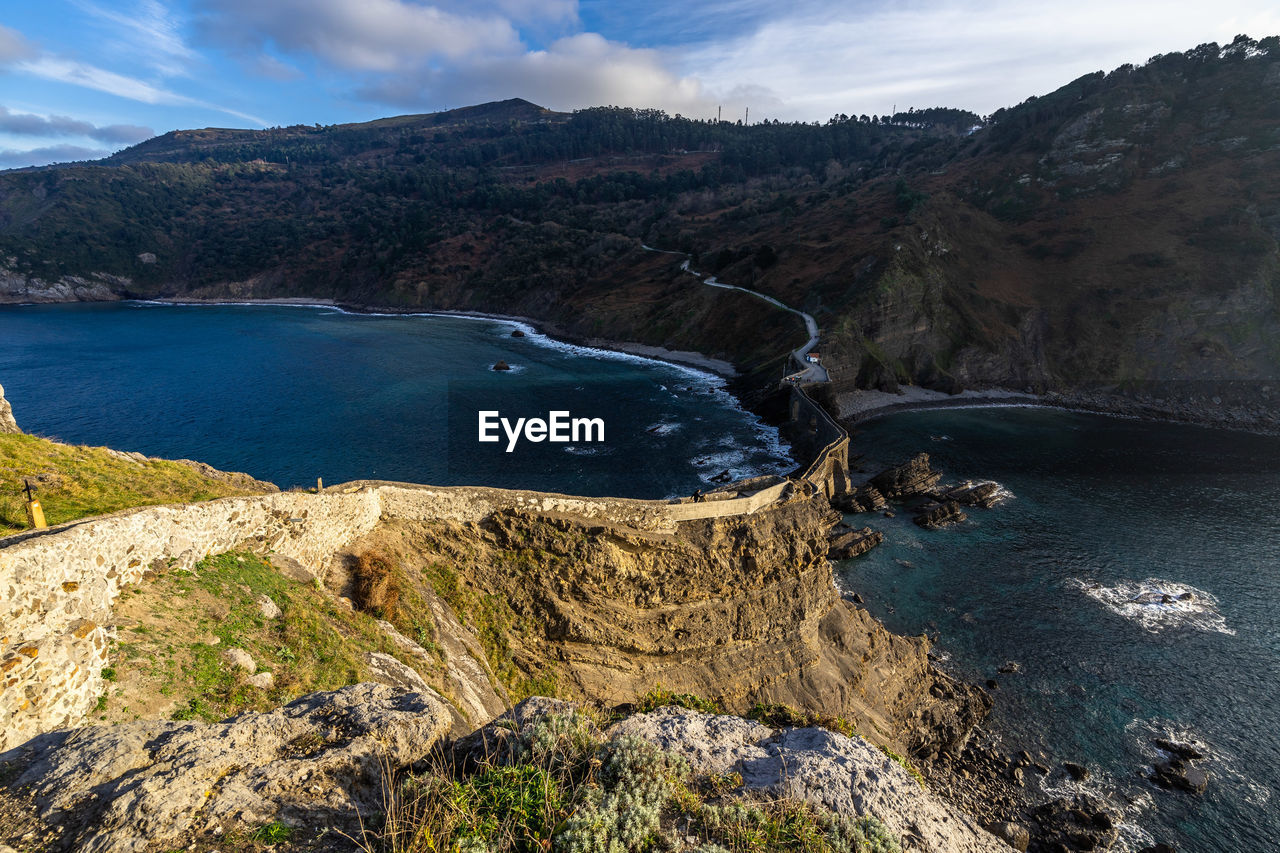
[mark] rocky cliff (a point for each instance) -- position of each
(742, 609)
(7, 422)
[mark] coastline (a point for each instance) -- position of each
(864, 405)
(682, 358)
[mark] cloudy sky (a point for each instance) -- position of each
(82, 78)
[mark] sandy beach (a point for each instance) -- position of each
(862, 404)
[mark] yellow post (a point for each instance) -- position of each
(35, 513)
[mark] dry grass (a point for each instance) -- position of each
(75, 482)
(376, 589)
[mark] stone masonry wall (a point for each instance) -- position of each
(58, 587)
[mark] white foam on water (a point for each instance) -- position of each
(1222, 766)
(588, 451)
(663, 428)
(1157, 605)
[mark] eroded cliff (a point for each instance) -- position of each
(742, 609)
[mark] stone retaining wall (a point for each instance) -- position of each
(58, 586)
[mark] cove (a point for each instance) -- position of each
(291, 393)
(1079, 579)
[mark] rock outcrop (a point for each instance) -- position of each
(16, 287)
(741, 609)
(844, 774)
(941, 515)
(7, 422)
(137, 786)
(848, 543)
(907, 480)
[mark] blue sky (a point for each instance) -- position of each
(82, 78)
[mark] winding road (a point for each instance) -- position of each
(805, 370)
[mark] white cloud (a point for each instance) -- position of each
(11, 159)
(28, 124)
(579, 71)
(149, 32)
(963, 53)
(358, 35)
(101, 80)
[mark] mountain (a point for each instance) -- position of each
(1116, 236)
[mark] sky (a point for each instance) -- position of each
(82, 78)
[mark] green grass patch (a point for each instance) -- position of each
(906, 765)
(780, 716)
(74, 482)
(193, 618)
(660, 696)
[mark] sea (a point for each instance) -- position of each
(1078, 577)
(293, 393)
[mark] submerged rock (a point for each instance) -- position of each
(984, 495)
(502, 365)
(516, 333)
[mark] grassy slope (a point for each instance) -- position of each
(75, 482)
(168, 659)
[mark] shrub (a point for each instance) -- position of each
(659, 696)
(783, 716)
(376, 588)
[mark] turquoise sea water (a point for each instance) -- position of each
(1066, 577)
(289, 394)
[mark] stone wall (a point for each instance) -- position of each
(817, 436)
(58, 587)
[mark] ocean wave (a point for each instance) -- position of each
(1158, 605)
(663, 428)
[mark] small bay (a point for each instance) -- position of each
(292, 393)
(1079, 578)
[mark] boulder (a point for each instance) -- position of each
(1014, 834)
(240, 659)
(940, 516)
(907, 480)
(824, 768)
(1178, 774)
(159, 784)
(516, 333)
(268, 608)
(502, 365)
(1077, 772)
(974, 494)
(1082, 822)
(263, 680)
(388, 670)
(848, 544)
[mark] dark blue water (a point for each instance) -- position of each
(289, 394)
(1057, 578)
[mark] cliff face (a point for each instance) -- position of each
(742, 609)
(7, 422)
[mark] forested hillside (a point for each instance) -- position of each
(1117, 232)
